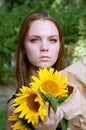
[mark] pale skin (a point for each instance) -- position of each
(42, 43)
(42, 47)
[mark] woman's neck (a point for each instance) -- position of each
(33, 71)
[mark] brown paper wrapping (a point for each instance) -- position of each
(75, 105)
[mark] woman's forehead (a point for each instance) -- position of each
(41, 26)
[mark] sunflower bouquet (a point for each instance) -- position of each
(30, 101)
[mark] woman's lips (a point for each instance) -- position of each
(44, 58)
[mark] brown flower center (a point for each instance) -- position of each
(33, 106)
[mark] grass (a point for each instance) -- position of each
(3, 102)
(2, 118)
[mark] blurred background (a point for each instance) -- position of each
(71, 15)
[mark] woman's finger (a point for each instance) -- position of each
(59, 114)
(47, 110)
(51, 112)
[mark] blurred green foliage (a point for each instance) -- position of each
(70, 15)
(2, 118)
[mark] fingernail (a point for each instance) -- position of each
(46, 104)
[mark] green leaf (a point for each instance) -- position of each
(65, 115)
(49, 98)
(62, 99)
(64, 122)
(42, 95)
(53, 101)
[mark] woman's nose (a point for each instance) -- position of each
(44, 46)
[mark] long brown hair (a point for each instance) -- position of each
(22, 63)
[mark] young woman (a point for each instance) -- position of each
(40, 44)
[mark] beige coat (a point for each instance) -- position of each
(75, 105)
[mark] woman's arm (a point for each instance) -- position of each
(9, 111)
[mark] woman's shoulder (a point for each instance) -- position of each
(10, 108)
(11, 99)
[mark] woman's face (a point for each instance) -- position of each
(42, 43)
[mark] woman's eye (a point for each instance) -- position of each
(53, 40)
(34, 40)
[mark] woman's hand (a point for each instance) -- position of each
(51, 120)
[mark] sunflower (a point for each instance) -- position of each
(19, 124)
(50, 82)
(30, 106)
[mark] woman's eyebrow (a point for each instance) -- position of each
(56, 36)
(34, 36)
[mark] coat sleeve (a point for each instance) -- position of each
(75, 105)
